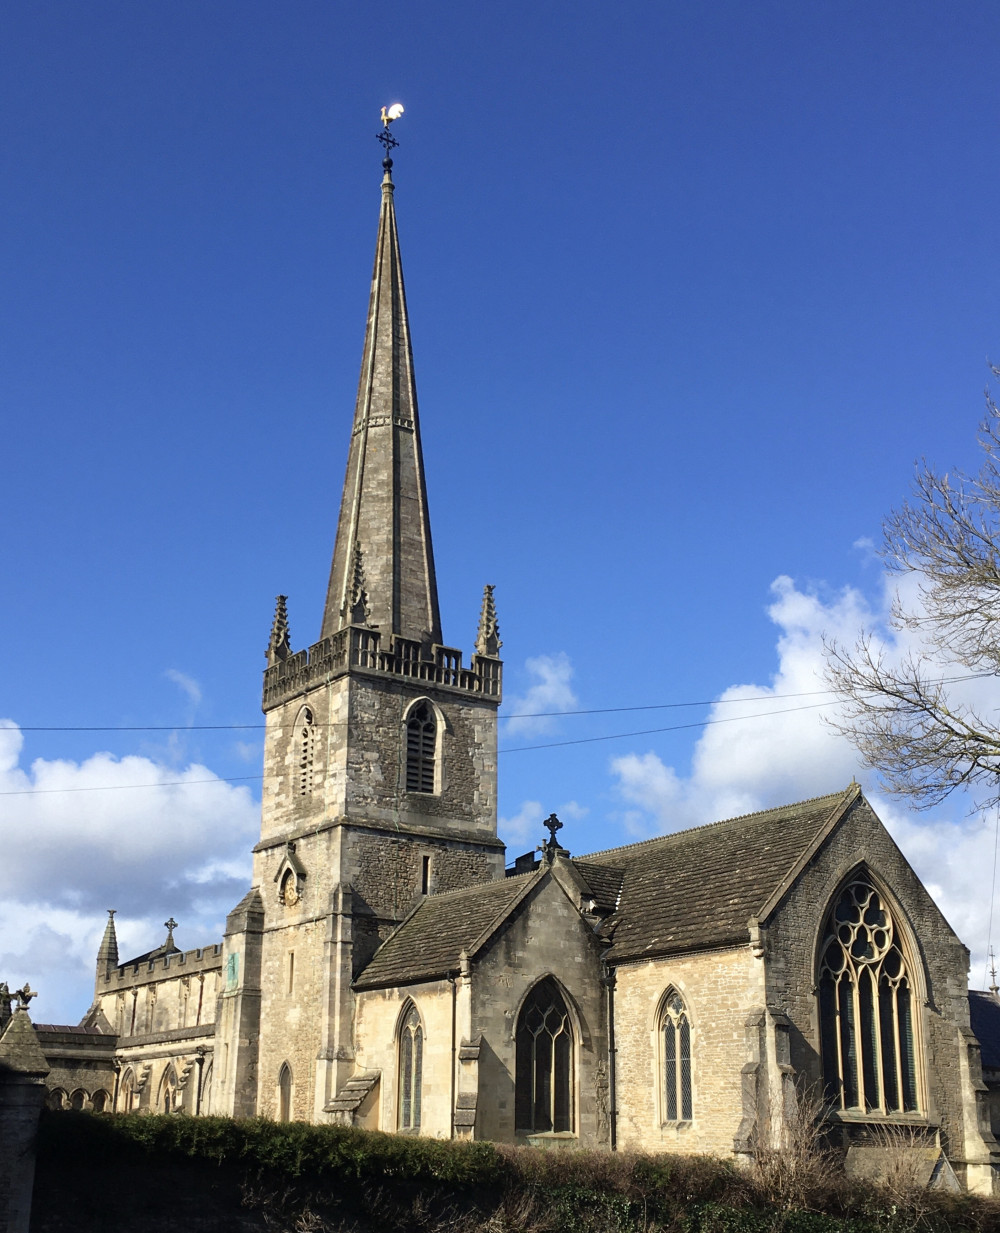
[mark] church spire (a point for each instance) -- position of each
(383, 512)
(107, 954)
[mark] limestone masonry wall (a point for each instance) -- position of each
(720, 989)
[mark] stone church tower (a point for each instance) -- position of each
(380, 757)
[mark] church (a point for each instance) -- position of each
(387, 969)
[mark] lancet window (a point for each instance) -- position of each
(675, 1039)
(543, 1083)
(867, 1015)
(285, 1093)
(305, 751)
(411, 1065)
(421, 748)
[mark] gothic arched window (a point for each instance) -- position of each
(411, 1066)
(543, 1082)
(305, 751)
(675, 1035)
(866, 1006)
(285, 1093)
(126, 1092)
(166, 1101)
(421, 748)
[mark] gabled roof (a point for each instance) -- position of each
(692, 890)
(430, 942)
(697, 889)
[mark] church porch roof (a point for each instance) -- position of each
(432, 939)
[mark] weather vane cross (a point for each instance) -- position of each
(385, 137)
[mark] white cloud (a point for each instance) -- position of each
(526, 825)
(793, 754)
(550, 691)
(129, 833)
(187, 684)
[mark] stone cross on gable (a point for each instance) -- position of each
(170, 925)
(552, 845)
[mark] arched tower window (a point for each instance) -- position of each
(543, 1083)
(411, 1065)
(675, 1037)
(421, 748)
(305, 751)
(285, 1093)
(866, 1006)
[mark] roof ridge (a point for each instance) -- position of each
(690, 830)
(478, 886)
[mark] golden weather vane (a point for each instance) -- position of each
(385, 137)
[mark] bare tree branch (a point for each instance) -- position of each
(902, 718)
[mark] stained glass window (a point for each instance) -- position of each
(411, 1064)
(675, 1031)
(866, 1006)
(543, 1085)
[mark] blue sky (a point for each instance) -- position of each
(692, 286)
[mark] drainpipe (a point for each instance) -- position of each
(452, 978)
(200, 1059)
(609, 982)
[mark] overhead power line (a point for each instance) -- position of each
(602, 710)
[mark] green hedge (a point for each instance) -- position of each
(378, 1181)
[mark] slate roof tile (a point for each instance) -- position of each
(692, 890)
(697, 889)
(430, 941)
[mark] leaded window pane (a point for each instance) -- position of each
(411, 1061)
(866, 1018)
(543, 1074)
(675, 1033)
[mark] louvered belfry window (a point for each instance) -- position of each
(543, 1083)
(421, 746)
(675, 1028)
(866, 1006)
(411, 1064)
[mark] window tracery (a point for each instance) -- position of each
(421, 748)
(411, 1065)
(866, 1006)
(543, 1083)
(675, 1037)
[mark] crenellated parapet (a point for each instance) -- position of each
(162, 967)
(359, 648)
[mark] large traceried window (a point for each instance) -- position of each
(421, 748)
(866, 1006)
(675, 1037)
(411, 1066)
(543, 1083)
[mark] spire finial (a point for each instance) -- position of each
(357, 611)
(994, 988)
(488, 639)
(279, 647)
(389, 143)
